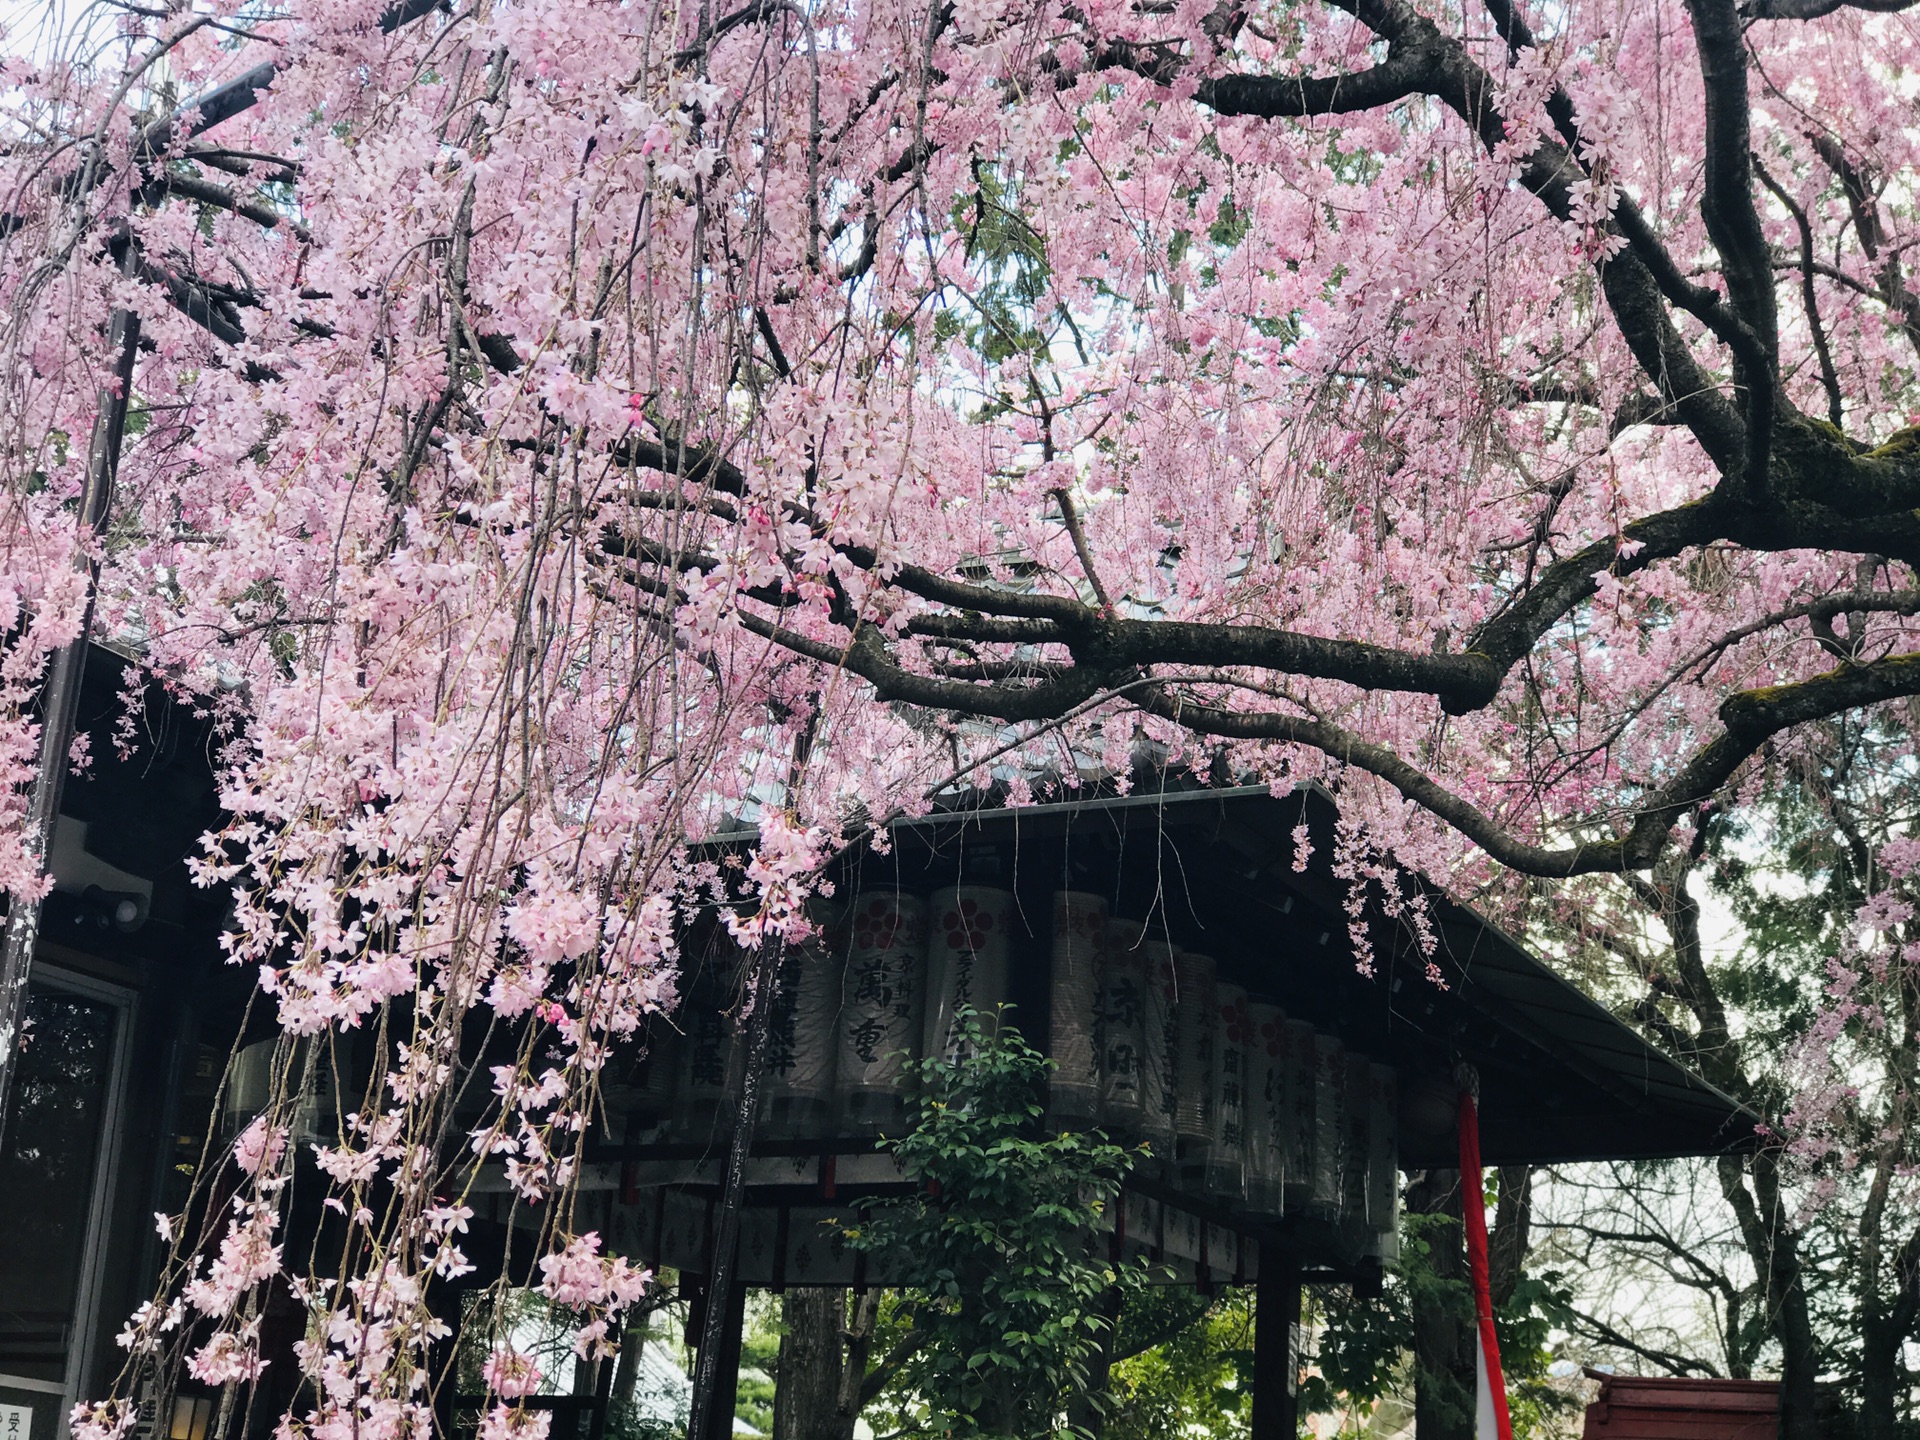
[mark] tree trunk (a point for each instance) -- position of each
(1773, 1246)
(853, 1375)
(1882, 1341)
(1443, 1387)
(1879, 1381)
(1884, 1326)
(806, 1396)
(626, 1376)
(1512, 1233)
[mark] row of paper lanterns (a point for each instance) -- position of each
(1236, 1098)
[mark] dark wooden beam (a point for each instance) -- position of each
(1276, 1366)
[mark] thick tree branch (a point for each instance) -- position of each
(903, 1350)
(1733, 224)
(1636, 282)
(405, 12)
(1893, 290)
(1401, 74)
(984, 629)
(865, 655)
(1809, 301)
(1506, 638)
(1814, 9)
(243, 163)
(1703, 303)
(1638, 408)
(1070, 517)
(205, 111)
(209, 306)
(1750, 717)
(205, 192)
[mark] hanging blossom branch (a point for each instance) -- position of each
(548, 414)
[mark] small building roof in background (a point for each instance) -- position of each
(1634, 1407)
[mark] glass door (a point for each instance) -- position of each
(54, 1160)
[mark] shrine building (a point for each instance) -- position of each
(1184, 955)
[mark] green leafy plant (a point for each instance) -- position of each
(759, 1360)
(1364, 1350)
(1001, 1269)
(1196, 1382)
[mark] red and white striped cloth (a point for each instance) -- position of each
(1490, 1421)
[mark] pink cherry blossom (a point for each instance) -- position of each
(260, 1146)
(565, 431)
(511, 1374)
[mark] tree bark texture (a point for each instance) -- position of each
(626, 1375)
(807, 1386)
(862, 1318)
(1772, 1243)
(1512, 1232)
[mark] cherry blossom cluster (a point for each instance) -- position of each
(562, 432)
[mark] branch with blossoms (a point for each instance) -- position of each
(1100, 651)
(554, 418)
(1786, 484)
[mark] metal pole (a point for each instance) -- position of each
(726, 1225)
(61, 695)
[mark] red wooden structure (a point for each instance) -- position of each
(1632, 1407)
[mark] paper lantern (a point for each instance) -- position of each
(707, 1044)
(802, 1046)
(1429, 1106)
(880, 1005)
(309, 1085)
(1383, 1161)
(1266, 1106)
(968, 930)
(1079, 936)
(1120, 1028)
(1329, 1127)
(1357, 1146)
(1299, 1126)
(656, 1075)
(1163, 1045)
(1193, 1075)
(1233, 1046)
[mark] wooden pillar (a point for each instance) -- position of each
(726, 1372)
(1276, 1368)
(596, 1426)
